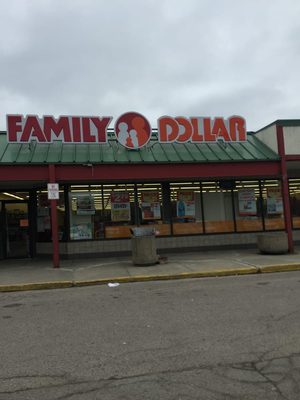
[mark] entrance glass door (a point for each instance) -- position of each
(17, 236)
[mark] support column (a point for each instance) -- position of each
(167, 205)
(54, 224)
(32, 216)
(285, 188)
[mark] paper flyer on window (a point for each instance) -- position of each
(120, 206)
(85, 204)
(150, 210)
(247, 202)
(81, 231)
(150, 205)
(274, 201)
(185, 204)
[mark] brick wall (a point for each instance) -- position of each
(172, 243)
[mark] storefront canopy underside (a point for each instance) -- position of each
(114, 153)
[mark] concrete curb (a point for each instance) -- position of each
(279, 268)
(183, 275)
(126, 279)
(36, 286)
(147, 278)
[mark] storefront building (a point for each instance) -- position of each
(197, 191)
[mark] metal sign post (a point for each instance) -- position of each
(53, 196)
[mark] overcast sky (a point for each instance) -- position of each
(156, 57)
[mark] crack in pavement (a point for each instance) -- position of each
(263, 371)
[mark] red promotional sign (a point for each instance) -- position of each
(120, 206)
(119, 197)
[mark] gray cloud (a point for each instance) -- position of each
(156, 57)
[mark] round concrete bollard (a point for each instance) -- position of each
(144, 250)
(273, 243)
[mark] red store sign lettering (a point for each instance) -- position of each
(132, 130)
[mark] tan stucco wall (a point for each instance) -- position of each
(292, 140)
(268, 136)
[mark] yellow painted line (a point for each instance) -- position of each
(35, 286)
(279, 267)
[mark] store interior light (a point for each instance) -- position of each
(147, 189)
(189, 187)
(250, 186)
(114, 185)
(13, 195)
(182, 183)
(246, 182)
(150, 184)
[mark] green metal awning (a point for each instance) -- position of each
(114, 153)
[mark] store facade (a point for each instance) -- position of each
(218, 189)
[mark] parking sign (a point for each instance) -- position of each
(53, 191)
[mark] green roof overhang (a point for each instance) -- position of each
(114, 153)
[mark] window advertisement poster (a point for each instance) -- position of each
(81, 231)
(150, 205)
(120, 206)
(247, 202)
(185, 204)
(274, 201)
(85, 204)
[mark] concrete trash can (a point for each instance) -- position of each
(143, 246)
(273, 243)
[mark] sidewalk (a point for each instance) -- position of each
(29, 274)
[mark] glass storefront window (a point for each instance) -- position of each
(272, 204)
(218, 206)
(248, 207)
(101, 211)
(186, 208)
(294, 190)
(109, 211)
